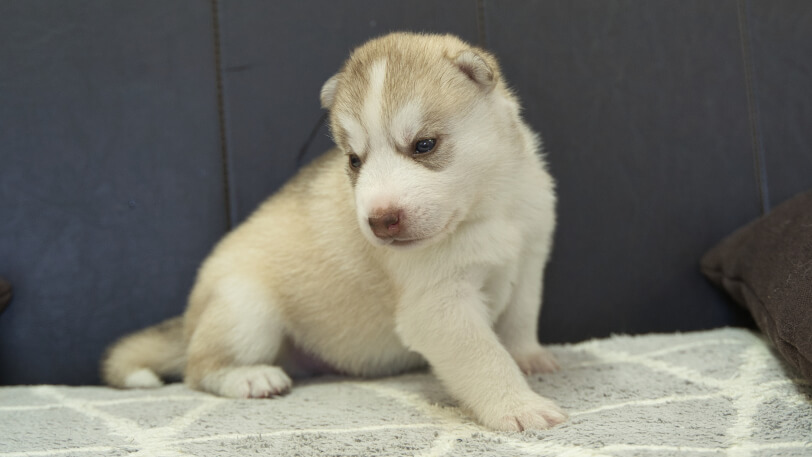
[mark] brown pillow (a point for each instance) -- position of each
(5, 294)
(766, 266)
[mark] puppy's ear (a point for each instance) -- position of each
(328, 92)
(477, 68)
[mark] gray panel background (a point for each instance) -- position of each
(110, 174)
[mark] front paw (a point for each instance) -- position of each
(257, 381)
(530, 412)
(534, 359)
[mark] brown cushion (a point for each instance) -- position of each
(5, 294)
(766, 266)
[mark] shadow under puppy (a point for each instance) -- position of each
(421, 238)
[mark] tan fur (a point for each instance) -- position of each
(159, 348)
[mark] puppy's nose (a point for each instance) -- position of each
(386, 224)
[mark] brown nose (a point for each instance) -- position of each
(385, 225)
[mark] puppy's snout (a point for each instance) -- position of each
(386, 224)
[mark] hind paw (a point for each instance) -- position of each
(535, 359)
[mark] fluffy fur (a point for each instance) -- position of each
(377, 258)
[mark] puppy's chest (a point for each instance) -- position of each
(498, 286)
(500, 246)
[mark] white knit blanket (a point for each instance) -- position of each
(720, 392)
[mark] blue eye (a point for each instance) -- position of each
(355, 161)
(424, 146)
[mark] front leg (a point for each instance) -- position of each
(517, 327)
(449, 327)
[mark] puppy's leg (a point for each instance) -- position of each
(517, 327)
(234, 344)
(449, 327)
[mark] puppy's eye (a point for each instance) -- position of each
(424, 146)
(355, 162)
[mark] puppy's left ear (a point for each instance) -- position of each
(477, 68)
(328, 92)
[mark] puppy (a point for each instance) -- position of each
(421, 239)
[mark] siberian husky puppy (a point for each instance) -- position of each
(421, 239)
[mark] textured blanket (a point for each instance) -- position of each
(721, 392)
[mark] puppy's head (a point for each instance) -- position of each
(422, 121)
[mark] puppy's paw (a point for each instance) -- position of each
(535, 359)
(143, 379)
(257, 381)
(531, 412)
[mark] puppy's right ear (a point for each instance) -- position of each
(328, 92)
(477, 68)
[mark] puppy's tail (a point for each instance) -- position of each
(141, 359)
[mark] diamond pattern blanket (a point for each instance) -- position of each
(719, 392)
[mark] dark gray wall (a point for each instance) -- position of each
(133, 134)
(111, 188)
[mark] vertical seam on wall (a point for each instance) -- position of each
(221, 115)
(743, 12)
(482, 38)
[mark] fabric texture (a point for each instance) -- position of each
(766, 266)
(705, 393)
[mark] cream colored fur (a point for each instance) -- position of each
(458, 287)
